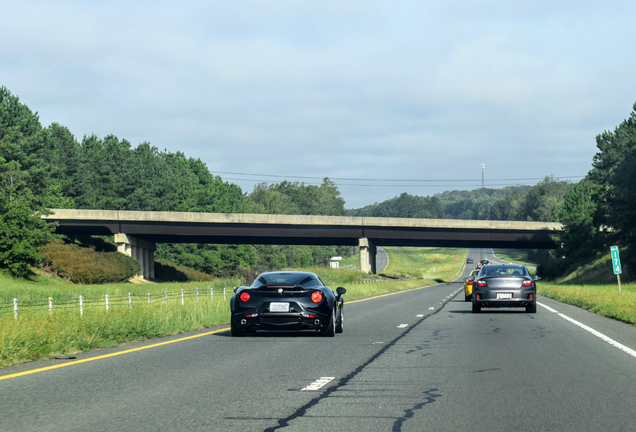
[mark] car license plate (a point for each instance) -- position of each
(279, 307)
(504, 296)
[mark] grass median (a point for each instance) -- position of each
(601, 299)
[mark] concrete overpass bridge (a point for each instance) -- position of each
(137, 232)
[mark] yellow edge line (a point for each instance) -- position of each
(19, 374)
(118, 353)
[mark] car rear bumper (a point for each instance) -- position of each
(519, 298)
(281, 321)
(504, 303)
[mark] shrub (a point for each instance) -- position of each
(166, 271)
(84, 265)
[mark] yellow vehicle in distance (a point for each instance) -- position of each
(468, 285)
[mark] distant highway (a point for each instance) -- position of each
(487, 253)
(410, 361)
(381, 260)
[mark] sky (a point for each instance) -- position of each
(381, 97)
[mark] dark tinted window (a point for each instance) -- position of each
(495, 270)
(307, 280)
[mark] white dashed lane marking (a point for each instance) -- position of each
(318, 384)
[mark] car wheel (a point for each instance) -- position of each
(340, 321)
(236, 330)
(531, 308)
(330, 330)
(467, 297)
(476, 308)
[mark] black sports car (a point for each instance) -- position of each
(504, 285)
(288, 300)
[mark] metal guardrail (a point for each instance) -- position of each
(426, 275)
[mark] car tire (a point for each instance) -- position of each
(467, 298)
(531, 308)
(236, 330)
(330, 330)
(340, 321)
(476, 308)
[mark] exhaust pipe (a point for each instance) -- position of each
(243, 321)
(317, 322)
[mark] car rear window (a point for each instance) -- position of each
(303, 280)
(503, 270)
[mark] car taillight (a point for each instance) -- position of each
(469, 282)
(527, 283)
(245, 296)
(481, 283)
(316, 296)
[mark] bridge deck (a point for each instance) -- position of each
(233, 228)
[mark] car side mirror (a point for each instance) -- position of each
(535, 278)
(340, 290)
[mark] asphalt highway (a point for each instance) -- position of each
(381, 260)
(411, 361)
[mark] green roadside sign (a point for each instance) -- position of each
(616, 264)
(616, 261)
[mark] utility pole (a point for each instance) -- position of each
(483, 170)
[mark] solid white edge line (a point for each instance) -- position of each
(548, 308)
(596, 333)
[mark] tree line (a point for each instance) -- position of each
(528, 203)
(600, 210)
(47, 167)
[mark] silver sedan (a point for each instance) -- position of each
(504, 285)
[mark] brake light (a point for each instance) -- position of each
(245, 296)
(527, 283)
(481, 283)
(469, 282)
(316, 296)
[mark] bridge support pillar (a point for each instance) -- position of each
(142, 251)
(367, 255)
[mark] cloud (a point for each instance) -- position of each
(361, 90)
